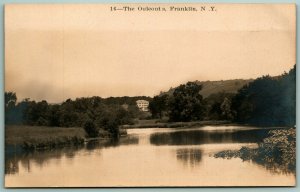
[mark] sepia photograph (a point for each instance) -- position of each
(150, 95)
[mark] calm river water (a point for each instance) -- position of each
(149, 157)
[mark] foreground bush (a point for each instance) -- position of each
(277, 152)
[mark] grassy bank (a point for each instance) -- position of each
(42, 138)
(277, 152)
(157, 124)
(37, 137)
(16, 135)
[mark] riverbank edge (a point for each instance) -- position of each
(60, 137)
(53, 144)
(191, 124)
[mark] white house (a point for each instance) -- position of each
(142, 105)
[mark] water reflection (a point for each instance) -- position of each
(196, 137)
(40, 158)
(11, 165)
(276, 165)
(96, 144)
(152, 157)
(189, 156)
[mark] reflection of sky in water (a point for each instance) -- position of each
(148, 157)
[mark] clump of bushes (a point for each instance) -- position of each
(276, 152)
(280, 148)
(112, 127)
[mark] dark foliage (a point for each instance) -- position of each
(158, 106)
(91, 129)
(10, 100)
(11, 114)
(186, 104)
(125, 99)
(218, 106)
(267, 101)
(70, 113)
(277, 152)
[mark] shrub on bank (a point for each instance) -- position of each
(276, 152)
(91, 129)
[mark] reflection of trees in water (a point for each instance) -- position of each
(129, 140)
(41, 158)
(276, 165)
(189, 156)
(12, 165)
(96, 144)
(206, 137)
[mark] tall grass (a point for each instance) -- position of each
(38, 137)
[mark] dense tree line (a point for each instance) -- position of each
(264, 101)
(186, 104)
(269, 101)
(104, 113)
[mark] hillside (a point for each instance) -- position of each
(210, 87)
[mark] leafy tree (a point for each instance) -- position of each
(123, 116)
(54, 115)
(134, 111)
(68, 114)
(42, 109)
(226, 109)
(186, 104)
(91, 129)
(36, 113)
(13, 110)
(110, 122)
(213, 105)
(10, 103)
(10, 100)
(158, 105)
(112, 126)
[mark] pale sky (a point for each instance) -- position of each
(55, 52)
